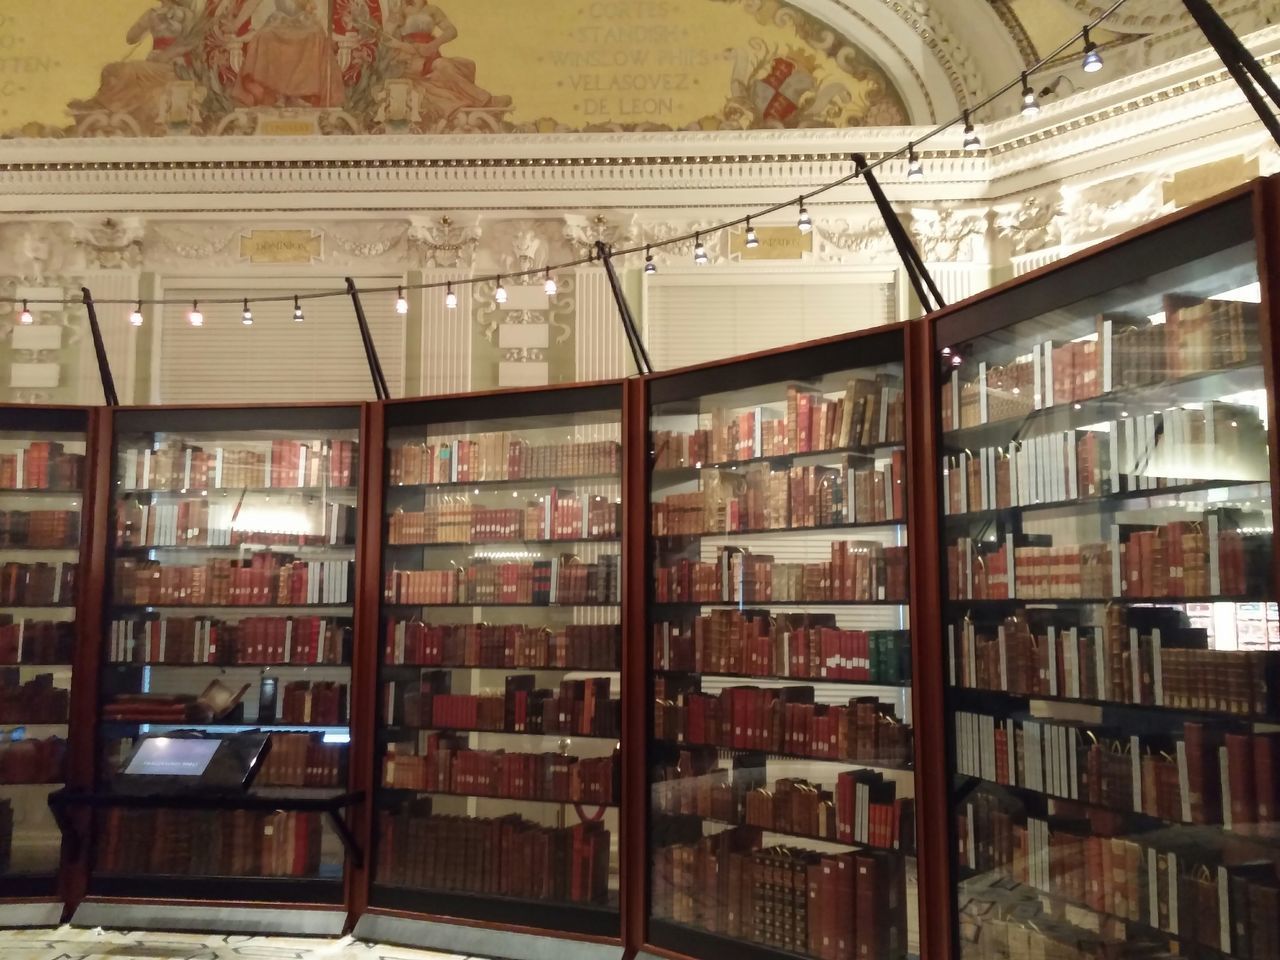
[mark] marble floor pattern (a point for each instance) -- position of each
(72, 943)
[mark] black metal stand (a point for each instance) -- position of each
(100, 351)
(1244, 68)
(61, 800)
(917, 272)
(380, 391)
(638, 353)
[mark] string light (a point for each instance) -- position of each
(195, 317)
(915, 169)
(25, 318)
(247, 317)
(649, 266)
(699, 251)
(803, 223)
(450, 298)
(752, 240)
(971, 141)
(1092, 58)
(500, 294)
(549, 288)
(297, 310)
(135, 318)
(1030, 105)
(402, 305)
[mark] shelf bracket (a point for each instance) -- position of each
(917, 272)
(638, 352)
(1244, 68)
(380, 391)
(100, 351)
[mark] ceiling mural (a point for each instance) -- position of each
(297, 67)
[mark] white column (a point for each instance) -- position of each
(118, 335)
(446, 337)
(600, 346)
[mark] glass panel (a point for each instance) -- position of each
(501, 655)
(782, 790)
(230, 608)
(1111, 632)
(42, 475)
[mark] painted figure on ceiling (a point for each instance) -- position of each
(288, 59)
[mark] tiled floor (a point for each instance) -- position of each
(70, 943)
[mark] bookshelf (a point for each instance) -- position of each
(230, 604)
(780, 767)
(1109, 630)
(43, 479)
(497, 774)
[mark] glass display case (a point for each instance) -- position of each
(1110, 632)
(229, 606)
(498, 774)
(781, 786)
(43, 477)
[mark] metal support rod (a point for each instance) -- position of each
(380, 391)
(638, 352)
(1244, 68)
(917, 272)
(100, 351)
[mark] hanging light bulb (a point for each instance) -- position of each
(649, 266)
(500, 294)
(247, 317)
(195, 317)
(699, 251)
(915, 169)
(971, 141)
(450, 298)
(549, 288)
(25, 318)
(1030, 105)
(135, 318)
(1092, 58)
(297, 310)
(752, 240)
(402, 305)
(803, 223)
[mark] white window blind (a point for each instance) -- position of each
(276, 360)
(697, 317)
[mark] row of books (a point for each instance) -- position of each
(1122, 352)
(833, 906)
(37, 584)
(501, 456)
(33, 760)
(753, 643)
(36, 641)
(1206, 776)
(559, 580)
(303, 760)
(1185, 558)
(247, 642)
(1137, 655)
(448, 766)
(200, 523)
(581, 707)
(762, 497)
(304, 702)
(859, 571)
(502, 856)
(1144, 452)
(271, 464)
(571, 647)
(36, 700)
(556, 515)
(265, 579)
(320, 702)
(209, 843)
(786, 720)
(863, 808)
(42, 465)
(1164, 883)
(39, 528)
(867, 413)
